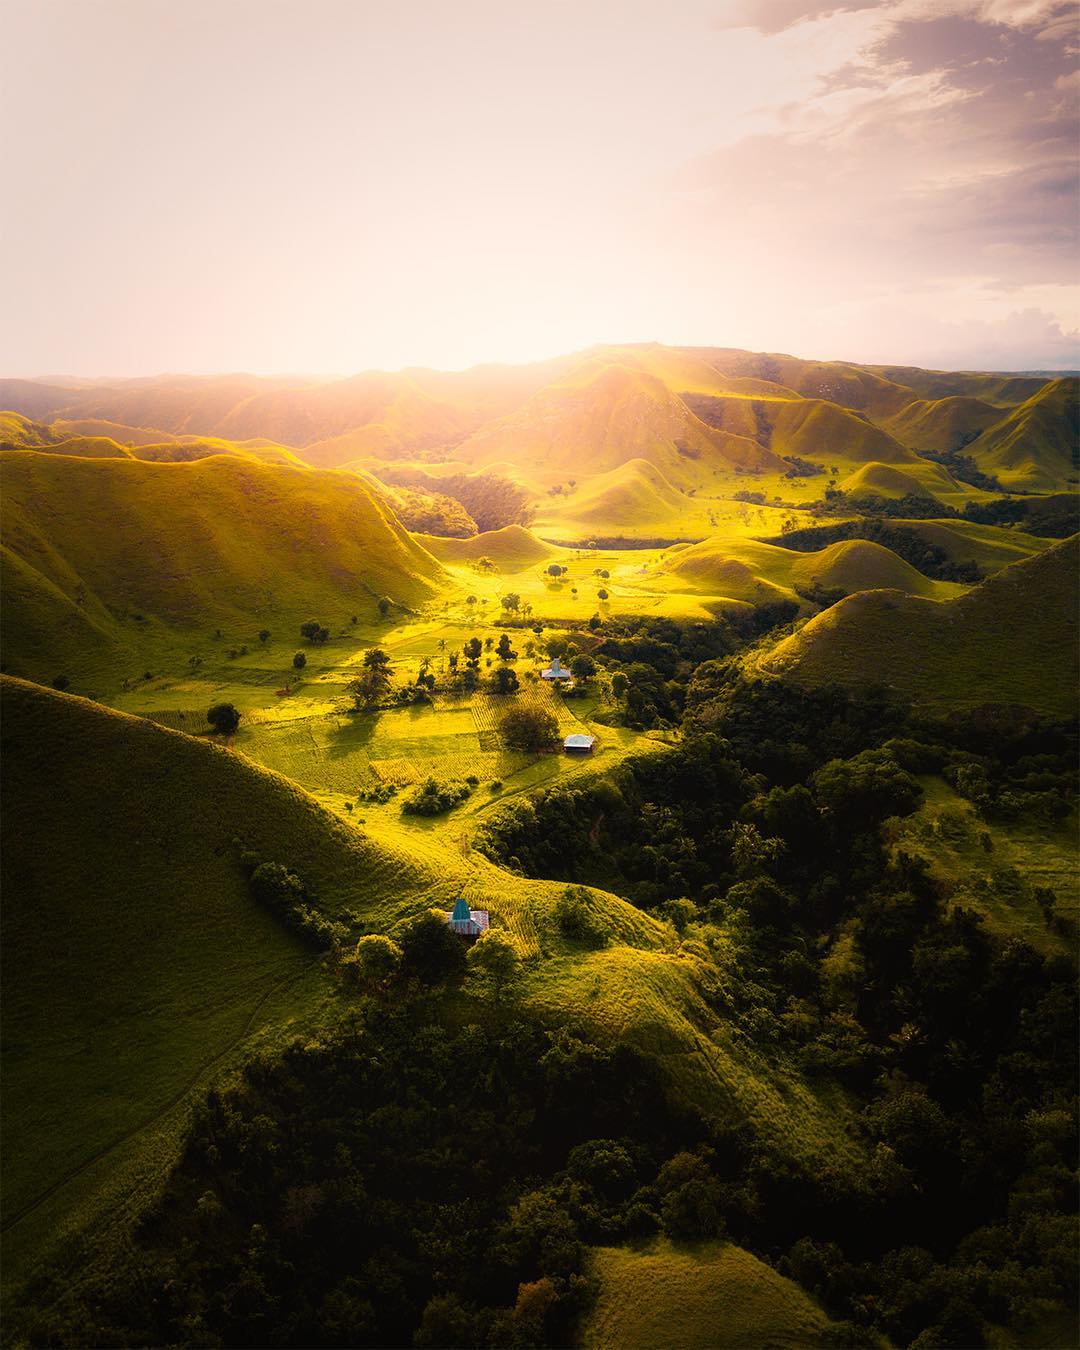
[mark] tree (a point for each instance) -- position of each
(430, 950)
(370, 686)
(529, 728)
(384, 605)
(61, 682)
(504, 680)
(376, 659)
(470, 679)
(555, 570)
(504, 650)
(314, 631)
(299, 661)
(495, 961)
(583, 667)
(376, 962)
(511, 603)
(470, 599)
(472, 649)
(619, 684)
(223, 717)
(601, 594)
(264, 633)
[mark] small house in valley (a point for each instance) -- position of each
(556, 671)
(579, 744)
(467, 923)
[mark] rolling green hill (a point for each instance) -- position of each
(1010, 640)
(134, 959)
(712, 1296)
(1034, 447)
(757, 573)
(221, 541)
(943, 424)
(510, 549)
(604, 416)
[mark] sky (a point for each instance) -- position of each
(328, 186)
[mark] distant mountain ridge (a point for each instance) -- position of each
(478, 410)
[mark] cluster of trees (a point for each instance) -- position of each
(760, 838)
(433, 797)
(425, 1176)
(929, 559)
(285, 895)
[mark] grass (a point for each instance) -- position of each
(712, 1296)
(1010, 640)
(1000, 882)
(217, 543)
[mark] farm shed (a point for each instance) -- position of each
(467, 923)
(579, 744)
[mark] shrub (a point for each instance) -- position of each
(577, 918)
(299, 661)
(432, 798)
(223, 717)
(430, 951)
(530, 729)
(504, 681)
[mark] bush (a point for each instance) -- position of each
(223, 717)
(430, 951)
(432, 798)
(578, 919)
(299, 661)
(283, 893)
(530, 729)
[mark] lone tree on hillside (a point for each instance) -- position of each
(299, 661)
(314, 631)
(511, 603)
(555, 569)
(529, 728)
(223, 717)
(373, 681)
(504, 680)
(376, 961)
(495, 961)
(472, 649)
(504, 649)
(431, 952)
(384, 605)
(264, 633)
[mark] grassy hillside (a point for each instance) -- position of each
(943, 424)
(714, 1296)
(510, 549)
(18, 432)
(756, 572)
(859, 565)
(134, 958)
(221, 541)
(1010, 640)
(885, 480)
(602, 416)
(1034, 447)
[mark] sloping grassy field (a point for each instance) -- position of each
(1011, 640)
(151, 552)
(713, 1296)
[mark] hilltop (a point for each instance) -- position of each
(215, 542)
(1010, 640)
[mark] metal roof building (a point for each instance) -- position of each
(466, 922)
